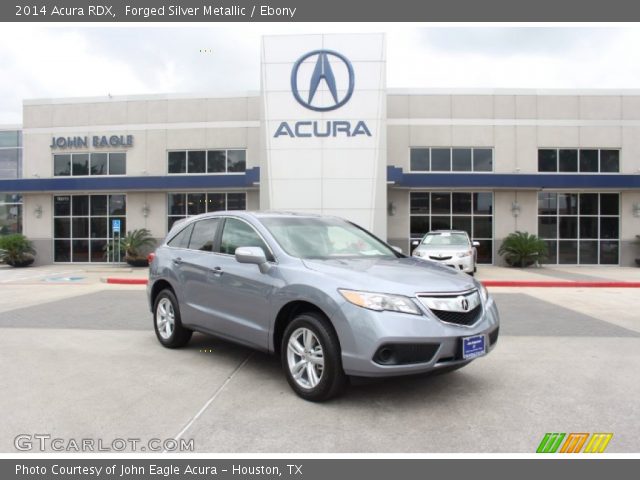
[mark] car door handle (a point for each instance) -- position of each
(217, 271)
(177, 261)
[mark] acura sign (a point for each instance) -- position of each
(323, 71)
(323, 63)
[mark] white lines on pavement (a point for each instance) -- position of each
(212, 399)
(13, 276)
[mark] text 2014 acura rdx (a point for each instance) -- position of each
(327, 296)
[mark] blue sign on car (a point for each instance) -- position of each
(473, 347)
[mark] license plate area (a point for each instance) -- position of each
(474, 346)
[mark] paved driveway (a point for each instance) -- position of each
(82, 361)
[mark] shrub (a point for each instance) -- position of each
(16, 250)
(521, 249)
(133, 246)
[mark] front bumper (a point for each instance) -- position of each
(464, 264)
(364, 332)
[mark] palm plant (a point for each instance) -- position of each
(522, 249)
(16, 250)
(133, 247)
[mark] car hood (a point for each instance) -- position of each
(404, 276)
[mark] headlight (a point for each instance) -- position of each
(380, 301)
(464, 254)
(483, 292)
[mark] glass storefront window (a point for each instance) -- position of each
(547, 160)
(196, 161)
(580, 228)
(177, 162)
(468, 211)
(10, 154)
(440, 159)
(461, 160)
(482, 160)
(183, 205)
(568, 161)
(574, 160)
(86, 164)
(419, 160)
(10, 138)
(457, 159)
(199, 162)
(61, 165)
(236, 160)
(117, 164)
(589, 161)
(82, 225)
(99, 164)
(80, 164)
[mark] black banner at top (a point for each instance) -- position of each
(318, 11)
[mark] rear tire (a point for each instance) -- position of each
(167, 322)
(311, 358)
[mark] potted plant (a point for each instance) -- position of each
(133, 247)
(522, 249)
(16, 250)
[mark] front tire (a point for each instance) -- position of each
(311, 358)
(167, 322)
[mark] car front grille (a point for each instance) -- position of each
(462, 309)
(459, 318)
(440, 258)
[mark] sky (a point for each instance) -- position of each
(39, 61)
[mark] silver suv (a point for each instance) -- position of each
(325, 295)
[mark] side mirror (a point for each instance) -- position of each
(475, 243)
(254, 255)
(397, 249)
(415, 243)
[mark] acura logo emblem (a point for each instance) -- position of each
(340, 84)
(465, 304)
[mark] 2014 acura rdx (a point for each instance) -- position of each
(326, 295)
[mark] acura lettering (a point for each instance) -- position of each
(329, 128)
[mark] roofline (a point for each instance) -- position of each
(390, 92)
(140, 97)
(10, 126)
(516, 91)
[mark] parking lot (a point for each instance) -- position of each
(80, 360)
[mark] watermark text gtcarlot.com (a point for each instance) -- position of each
(40, 442)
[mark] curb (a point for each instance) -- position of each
(486, 283)
(561, 284)
(126, 281)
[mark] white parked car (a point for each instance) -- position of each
(453, 248)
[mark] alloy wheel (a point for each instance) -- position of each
(165, 318)
(305, 358)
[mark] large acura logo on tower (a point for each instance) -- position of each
(330, 85)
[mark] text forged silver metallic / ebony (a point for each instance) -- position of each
(328, 297)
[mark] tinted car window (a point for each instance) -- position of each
(237, 233)
(181, 240)
(203, 235)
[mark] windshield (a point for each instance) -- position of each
(445, 238)
(324, 238)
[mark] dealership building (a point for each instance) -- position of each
(325, 135)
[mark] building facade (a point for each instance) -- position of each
(324, 134)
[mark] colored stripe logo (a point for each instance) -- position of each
(573, 442)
